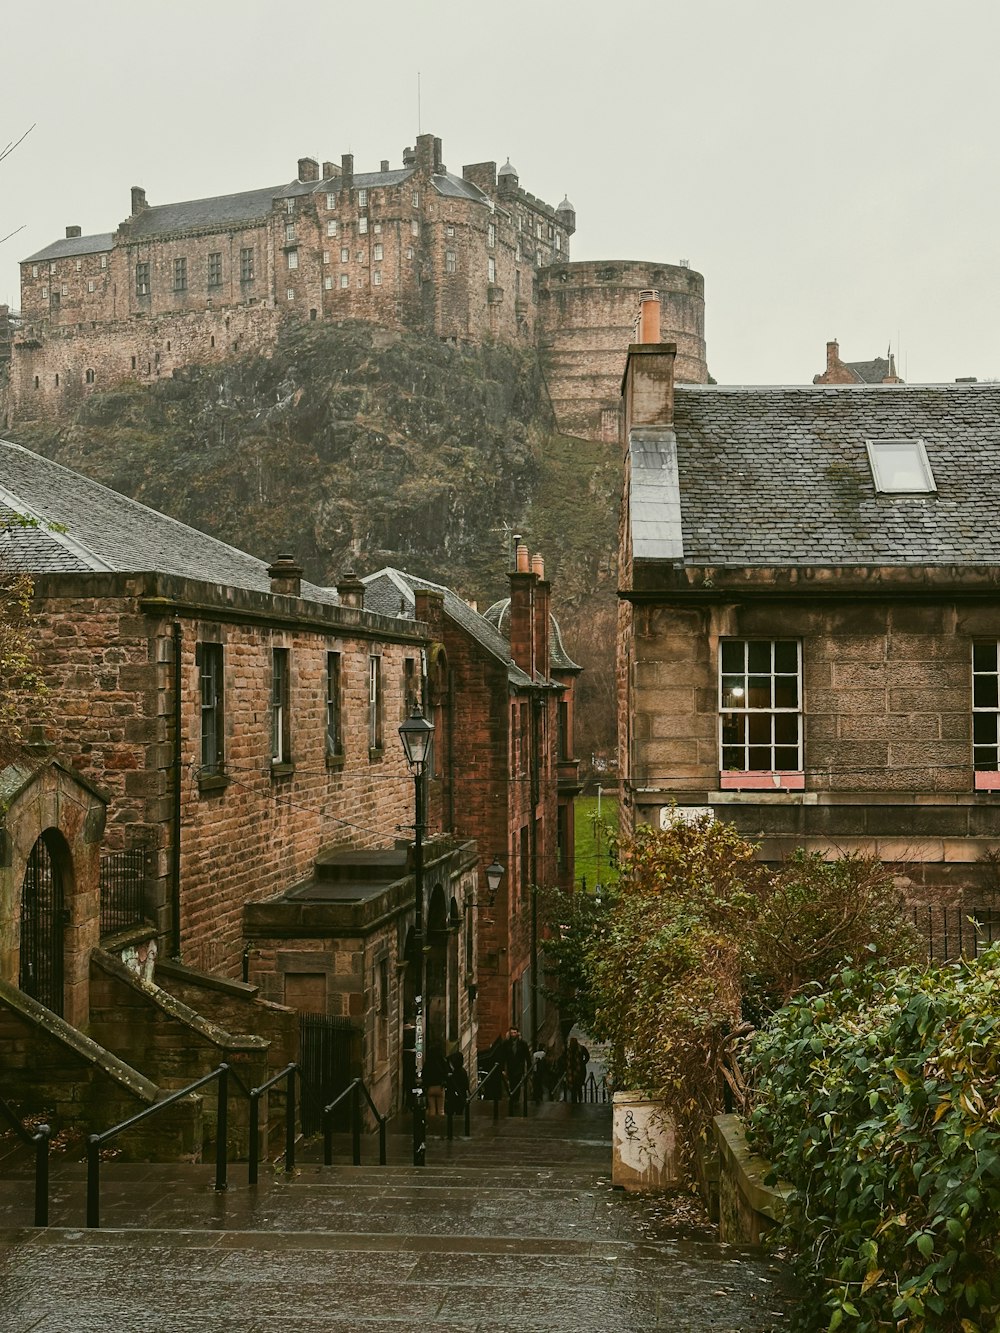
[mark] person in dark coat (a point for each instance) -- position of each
(435, 1073)
(577, 1059)
(456, 1085)
(516, 1059)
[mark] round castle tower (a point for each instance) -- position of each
(586, 314)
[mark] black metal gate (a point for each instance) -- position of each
(327, 1055)
(43, 924)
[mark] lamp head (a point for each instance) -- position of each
(416, 733)
(494, 874)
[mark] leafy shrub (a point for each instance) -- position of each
(878, 1100)
(697, 942)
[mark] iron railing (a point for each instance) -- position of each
(957, 932)
(123, 890)
(290, 1072)
(595, 1089)
(355, 1090)
(487, 1089)
(40, 1142)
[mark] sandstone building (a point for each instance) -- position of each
(809, 617)
(461, 257)
(882, 370)
(501, 694)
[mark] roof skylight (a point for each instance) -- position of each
(901, 467)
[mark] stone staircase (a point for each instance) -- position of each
(516, 1228)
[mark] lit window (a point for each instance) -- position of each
(328, 284)
(331, 202)
(985, 708)
(491, 269)
(362, 226)
(331, 227)
(208, 657)
(280, 731)
(377, 252)
(377, 278)
(215, 269)
(900, 467)
(375, 703)
(450, 261)
(362, 199)
(760, 714)
(344, 281)
(180, 275)
(293, 259)
(334, 732)
(345, 254)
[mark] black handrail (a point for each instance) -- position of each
(40, 1139)
(595, 1091)
(95, 1141)
(522, 1089)
(486, 1081)
(353, 1090)
(288, 1072)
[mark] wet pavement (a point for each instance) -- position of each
(515, 1229)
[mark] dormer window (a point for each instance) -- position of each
(901, 467)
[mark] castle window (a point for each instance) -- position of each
(180, 275)
(450, 229)
(491, 234)
(760, 709)
(377, 228)
(289, 231)
(558, 240)
(491, 269)
(985, 708)
(362, 226)
(246, 264)
(52, 270)
(331, 227)
(36, 381)
(89, 377)
(377, 278)
(416, 198)
(79, 265)
(377, 253)
(328, 284)
(293, 259)
(345, 254)
(65, 289)
(374, 703)
(45, 293)
(142, 279)
(281, 746)
(344, 280)
(104, 261)
(208, 658)
(409, 252)
(290, 294)
(538, 231)
(362, 257)
(57, 379)
(362, 199)
(289, 205)
(90, 284)
(450, 261)
(133, 363)
(331, 199)
(326, 256)
(215, 269)
(334, 725)
(414, 227)
(34, 270)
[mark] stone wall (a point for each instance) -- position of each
(887, 719)
(748, 1208)
(586, 316)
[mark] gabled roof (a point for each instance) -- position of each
(78, 525)
(390, 593)
(70, 247)
(780, 476)
(870, 372)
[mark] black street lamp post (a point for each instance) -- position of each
(416, 734)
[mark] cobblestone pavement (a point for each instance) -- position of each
(515, 1229)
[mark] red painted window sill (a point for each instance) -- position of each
(987, 781)
(762, 781)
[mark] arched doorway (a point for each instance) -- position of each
(43, 923)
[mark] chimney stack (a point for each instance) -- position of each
(285, 576)
(541, 616)
(384, 165)
(832, 354)
(72, 233)
(522, 612)
(308, 169)
(351, 590)
(138, 200)
(329, 171)
(347, 170)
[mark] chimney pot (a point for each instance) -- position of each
(351, 590)
(649, 316)
(522, 564)
(285, 576)
(72, 233)
(538, 565)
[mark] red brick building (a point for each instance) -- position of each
(500, 691)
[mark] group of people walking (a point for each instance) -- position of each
(507, 1066)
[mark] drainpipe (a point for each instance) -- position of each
(175, 832)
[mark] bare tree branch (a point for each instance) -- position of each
(6, 152)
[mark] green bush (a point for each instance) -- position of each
(878, 1100)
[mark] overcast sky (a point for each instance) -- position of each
(830, 169)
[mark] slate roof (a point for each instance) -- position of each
(70, 247)
(780, 476)
(499, 615)
(870, 372)
(390, 593)
(100, 530)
